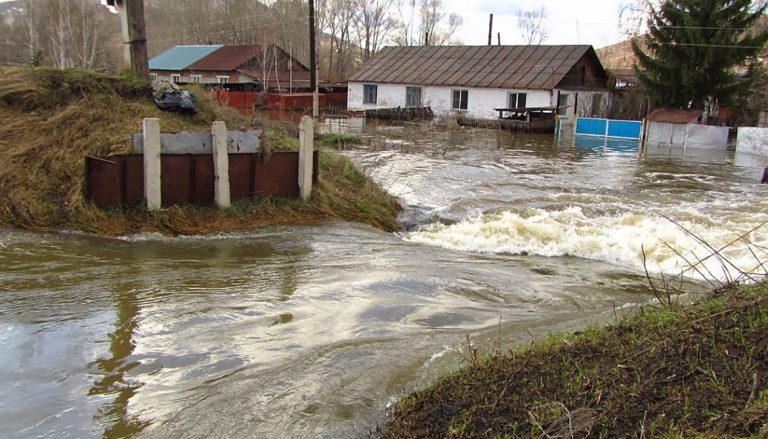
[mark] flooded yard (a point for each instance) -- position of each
(312, 331)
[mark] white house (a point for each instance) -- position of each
(475, 81)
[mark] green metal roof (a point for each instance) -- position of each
(179, 57)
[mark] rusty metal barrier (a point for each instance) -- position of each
(118, 181)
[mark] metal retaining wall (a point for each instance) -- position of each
(752, 140)
(188, 178)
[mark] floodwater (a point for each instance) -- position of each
(312, 331)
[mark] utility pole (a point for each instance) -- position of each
(134, 34)
(490, 30)
(313, 61)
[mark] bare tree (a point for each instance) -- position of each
(373, 21)
(633, 15)
(436, 27)
(533, 26)
(433, 26)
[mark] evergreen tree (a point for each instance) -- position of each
(692, 48)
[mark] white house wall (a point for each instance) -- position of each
(480, 104)
(481, 101)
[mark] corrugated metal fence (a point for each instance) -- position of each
(189, 178)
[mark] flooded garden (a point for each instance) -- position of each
(313, 331)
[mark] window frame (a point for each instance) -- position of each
(196, 79)
(517, 95)
(153, 76)
(370, 94)
(222, 79)
(408, 94)
(176, 78)
(563, 111)
(463, 98)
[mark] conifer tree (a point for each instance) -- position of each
(692, 48)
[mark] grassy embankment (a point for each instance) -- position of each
(53, 118)
(694, 371)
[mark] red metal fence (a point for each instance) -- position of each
(189, 178)
(242, 101)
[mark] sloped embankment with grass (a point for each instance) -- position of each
(53, 118)
(697, 370)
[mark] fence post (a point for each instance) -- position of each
(221, 192)
(306, 152)
(152, 177)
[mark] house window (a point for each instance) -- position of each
(413, 96)
(196, 78)
(153, 76)
(369, 93)
(597, 105)
(562, 104)
(516, 100)
(222, 79)
(460, 99)
(176, 78)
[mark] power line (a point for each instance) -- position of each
(718, 46)
(705, 28)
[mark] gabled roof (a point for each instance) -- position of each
(227, 58)
(520, 67)
(179, 57)
(211, 57)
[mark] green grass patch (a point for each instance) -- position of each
(340, 141)
(694, 370)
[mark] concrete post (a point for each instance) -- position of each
(152, 164)
(306, 153)
(220, 165)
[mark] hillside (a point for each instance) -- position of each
(617, 56)
(53, 118)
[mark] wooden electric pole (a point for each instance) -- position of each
(313, 60)
(134, 34)
(490, 30)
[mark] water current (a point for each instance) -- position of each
(312, 331)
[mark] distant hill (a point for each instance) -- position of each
(617, 56)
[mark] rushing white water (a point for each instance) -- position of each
(665, 211)
(630, 239)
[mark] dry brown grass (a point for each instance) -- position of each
(53, 118)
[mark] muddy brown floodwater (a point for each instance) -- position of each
(312, 331)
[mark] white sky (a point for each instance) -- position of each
(592, 22)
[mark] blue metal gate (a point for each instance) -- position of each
(614, 129)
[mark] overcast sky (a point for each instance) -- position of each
(592, 22)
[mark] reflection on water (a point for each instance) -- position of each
(312, 331)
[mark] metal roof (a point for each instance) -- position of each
(179, 57)
(674, 115)
(520, 67)
(227, 57)
(233, 57)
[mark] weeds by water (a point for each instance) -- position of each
(672, 371)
